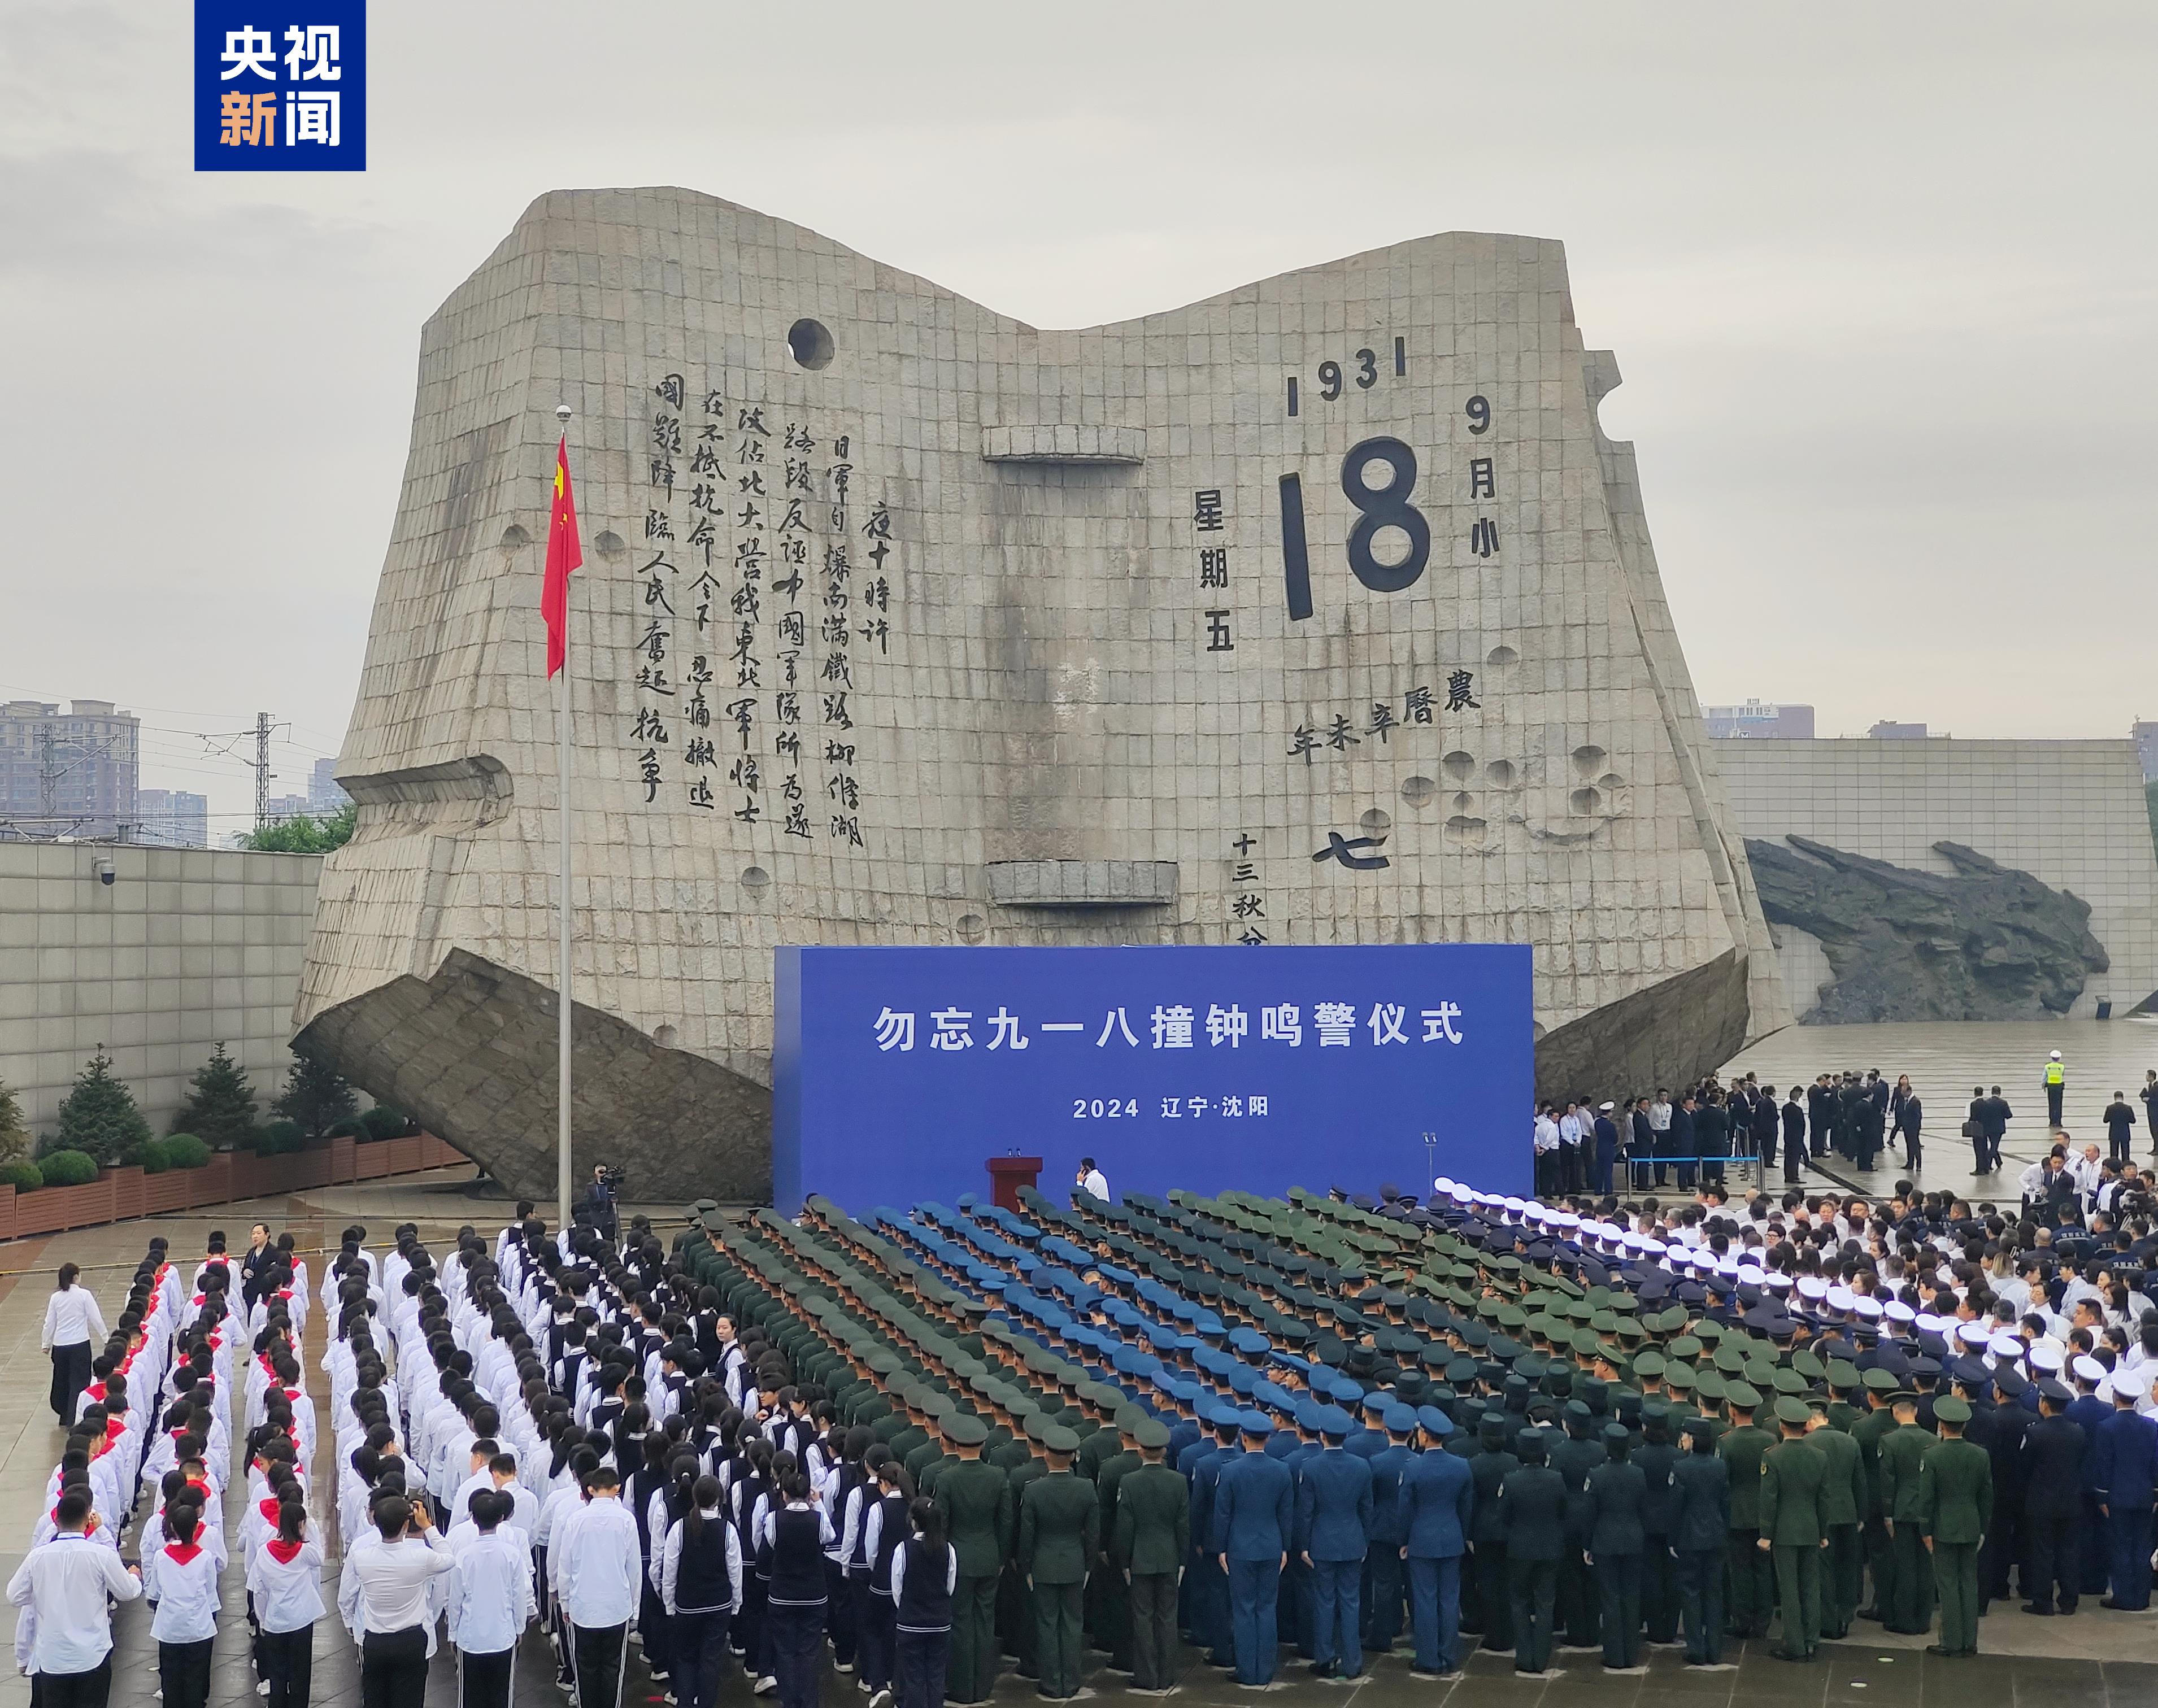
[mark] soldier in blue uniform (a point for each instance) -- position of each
(2123, 1475)
(1382, 1574)
(1435, 1508)
(1334, 1526)
(1254, 1517)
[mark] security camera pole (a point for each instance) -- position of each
(564, 555)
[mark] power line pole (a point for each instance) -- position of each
(49, 773)
(262, 771)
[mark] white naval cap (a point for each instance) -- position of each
(2088, 1369)
(2046, 1355)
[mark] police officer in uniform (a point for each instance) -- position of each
(1955, 1508)
(1532, 1522)
(1618, 1495)
(1699, 1535)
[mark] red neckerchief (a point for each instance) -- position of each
(179, 1553)
(104, 1446)
(284, 1552)
(97, 1392)
(268, 1509)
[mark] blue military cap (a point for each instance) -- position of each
(1186, 1391)
(1307, 1412)
(1243, 1379)
(1165, 1381)
(1345, 1390)
(1429, 1418)
(1254, 1423)
(1334, 1422)
(1218, 1414)
(1375, 1402)
(1159, 1333)
(1400, 1420)
(1248, 1341)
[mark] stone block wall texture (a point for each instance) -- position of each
(2070, 813)
(903, 622)
(185, 947)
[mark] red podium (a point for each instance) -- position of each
(1007, 1175)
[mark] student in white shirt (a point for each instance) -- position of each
(284, 1576)
(383, 1594)
(596, 1570)
(185, 1623)
(65, 1587)
(74, 1327)
(490, 1603)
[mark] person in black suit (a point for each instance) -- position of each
(1910, 1113)
(1683, 1142)
(1820, 1114)
(2006, 1426)
(1766, 1127)
(1976, 1127)
(1998, 1115)
(2053, 1468)
(1794, 1137)
(1642, 1154)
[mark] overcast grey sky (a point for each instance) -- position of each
(1880, 279)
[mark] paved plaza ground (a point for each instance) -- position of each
(2099, 1659)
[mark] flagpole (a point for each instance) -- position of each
(564, 970)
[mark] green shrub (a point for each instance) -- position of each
(352, 1127)
(71, 1167)
(24, 1176)
(384, 1121)
(184, 1150)
(276, 1139)
(151, 1156)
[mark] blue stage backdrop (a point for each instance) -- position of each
(898, 1072)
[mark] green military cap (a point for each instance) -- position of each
(1709, 1384)
(1631, 1331)
(1580, 1311)
(1128, 1419)
(1743, 1394)
(1952, 1410)
(1880, 1381)
(1512, 1317)
(1017, 1404)
(1604, 1322)
(1679, 1378)
(1585, 1343)
(1687, 1347)
(1729, 1360)
(940, 1406)
(1649, 1364)
(1842, 1373)
(1787, 1381)
(1057, 1439)
(1809, 1365)
(883, 1361)
(1152, 1434)
(1709, 1333)
(1791, 1411)
(963, 1431)
(1037, 1425)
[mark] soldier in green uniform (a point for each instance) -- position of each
(1016, 1622)
(974, 1497)
(1742, 1448)
(1058, 1535)
(1793, 1474)
(1113, 1611)
(1658, 1457)
(1150, 1544)
(1903, 1451)
(1879, 1550)
(1955, 1510)
(1843, 1502)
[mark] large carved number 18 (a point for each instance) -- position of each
(1379, 508)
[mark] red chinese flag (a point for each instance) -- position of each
(563, 555)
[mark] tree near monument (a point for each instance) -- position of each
(220, 1109)
(99, 1117)
(315, 1095)
(304, 834)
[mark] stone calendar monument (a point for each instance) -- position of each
(1320, 611)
